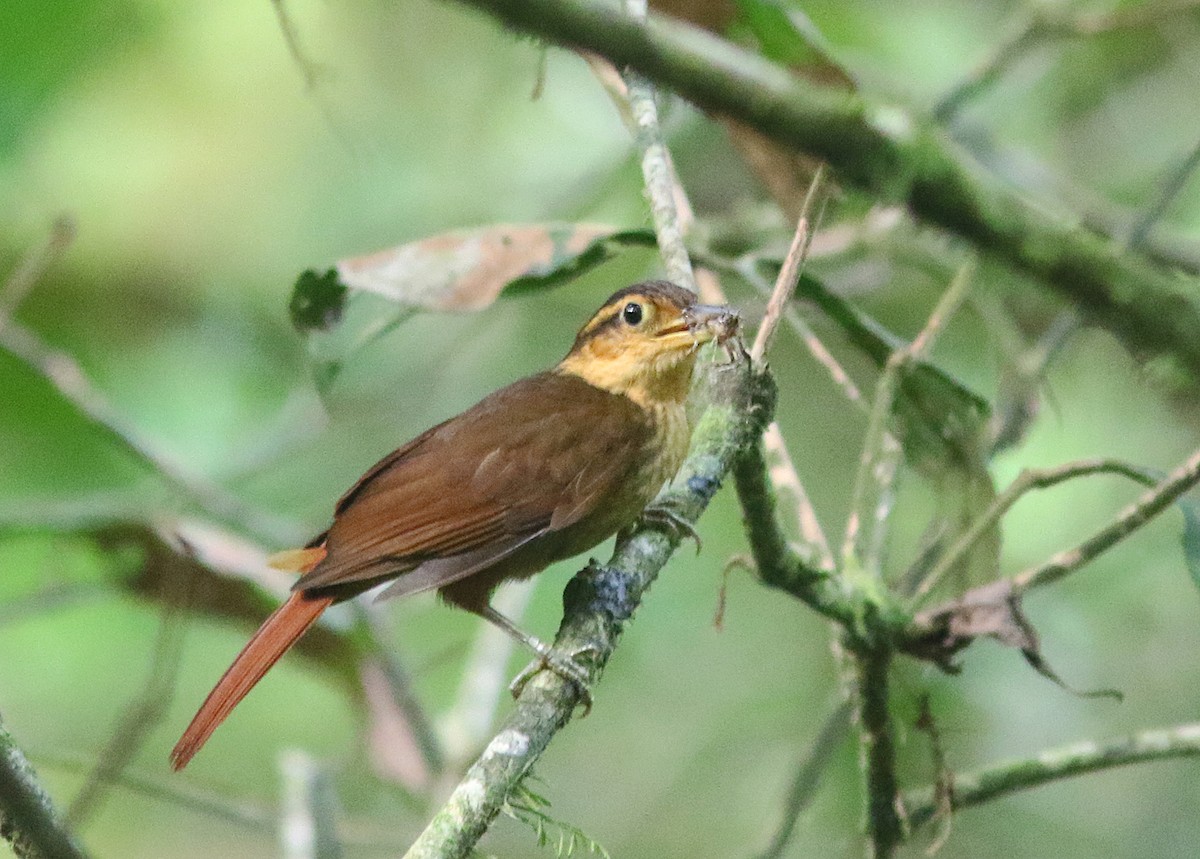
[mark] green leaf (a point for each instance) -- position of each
(786, 35)
(317, 301)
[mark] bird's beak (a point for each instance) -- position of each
(711, 322)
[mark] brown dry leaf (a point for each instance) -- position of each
(467, 270)
(992, 611)
(228, 580)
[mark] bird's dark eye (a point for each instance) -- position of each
(632, 313)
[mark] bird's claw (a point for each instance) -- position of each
(664, 516)
(562, 664)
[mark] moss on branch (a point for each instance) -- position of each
(884, 152)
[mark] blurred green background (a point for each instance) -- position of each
(204, 176)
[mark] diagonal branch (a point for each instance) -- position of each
(886, 153)
(1053, 764)
(1134, 516)
(597, 603)
(28, 821)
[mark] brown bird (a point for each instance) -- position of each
(535, 473)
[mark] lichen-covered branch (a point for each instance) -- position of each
(28, 821)
(598, 602)
(886, 153)
(1054, 764)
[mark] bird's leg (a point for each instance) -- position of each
(562, 664)
(663, 514)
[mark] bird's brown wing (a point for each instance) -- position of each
(529, 460)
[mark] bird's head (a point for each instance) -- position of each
(642, 343)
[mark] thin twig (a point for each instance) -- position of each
(943, 785)
(52, 598)
(1027, 480)
(657, 170)
(785, 287)
(782, 473)
(1022, 35)
(1002, 779)
(33, 266)
(65, 374)
(180, 793)
(28, 820)
(401, 693)
(1126, 522)
(308, 69)
(789, 273)
(307, 814)
(871, 496)
(1169, 191)
(825, 358)
(808, 775)
(147, 709)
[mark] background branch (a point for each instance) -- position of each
(1126, 522)
(1002, 779)
(28, 821)
(889, 155)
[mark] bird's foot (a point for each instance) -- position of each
(664, 515)
(562, 664)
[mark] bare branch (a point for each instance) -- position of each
(658, 172)
(1126, 522)
(808, 775)
(1026, 481)
(1002, 779)
(872, 495)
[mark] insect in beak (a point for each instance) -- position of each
(717, 322)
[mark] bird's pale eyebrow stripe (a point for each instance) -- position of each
(605, 319)
(598, 321)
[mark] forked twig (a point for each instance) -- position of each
(871, 498)
(1027, 480)
(1126, 522)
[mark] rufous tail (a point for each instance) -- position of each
(273, 639)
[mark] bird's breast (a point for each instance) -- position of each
(672, 434)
